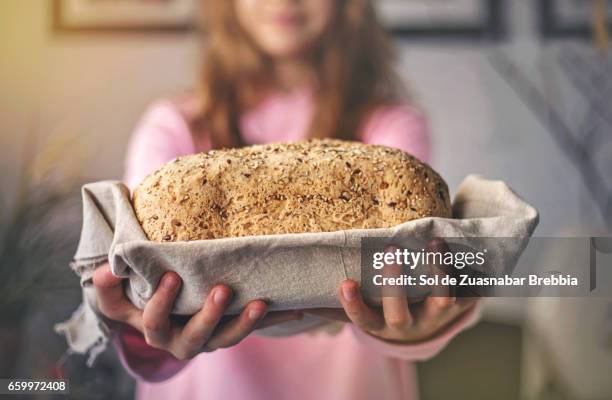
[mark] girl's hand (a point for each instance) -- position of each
(399, 321)
(204, 332)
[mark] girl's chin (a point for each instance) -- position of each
(284, 45)
(286, 51)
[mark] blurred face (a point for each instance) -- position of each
(285, 28)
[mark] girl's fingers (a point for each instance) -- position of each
(111, 298)
(156, 315)
(434, 307)
(396, 312)
(441, 300)
(239, 327)
(436, 310)
(442, 291)
(201, 326)
(394, 301)
(356, 310)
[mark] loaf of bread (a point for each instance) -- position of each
(309, 186)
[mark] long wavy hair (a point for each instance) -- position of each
(352, 64)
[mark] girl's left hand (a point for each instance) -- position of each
(398, 321)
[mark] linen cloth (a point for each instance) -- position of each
(290, 271)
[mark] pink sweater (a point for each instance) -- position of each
(349, 364)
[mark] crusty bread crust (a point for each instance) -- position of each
(309, 186)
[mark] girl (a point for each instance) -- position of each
(280, 70)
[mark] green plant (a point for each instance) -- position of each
(35, 239)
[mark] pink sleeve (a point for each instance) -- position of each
(400, 126)
(161, 135)
(142, 361)
(424, 350)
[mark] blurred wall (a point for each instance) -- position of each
(96, 86)
(92, 86)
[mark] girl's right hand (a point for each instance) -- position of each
(202, 333)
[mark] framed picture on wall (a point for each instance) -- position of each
(446, 19)
(123, 15)
(569, 18)
(449, 19)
